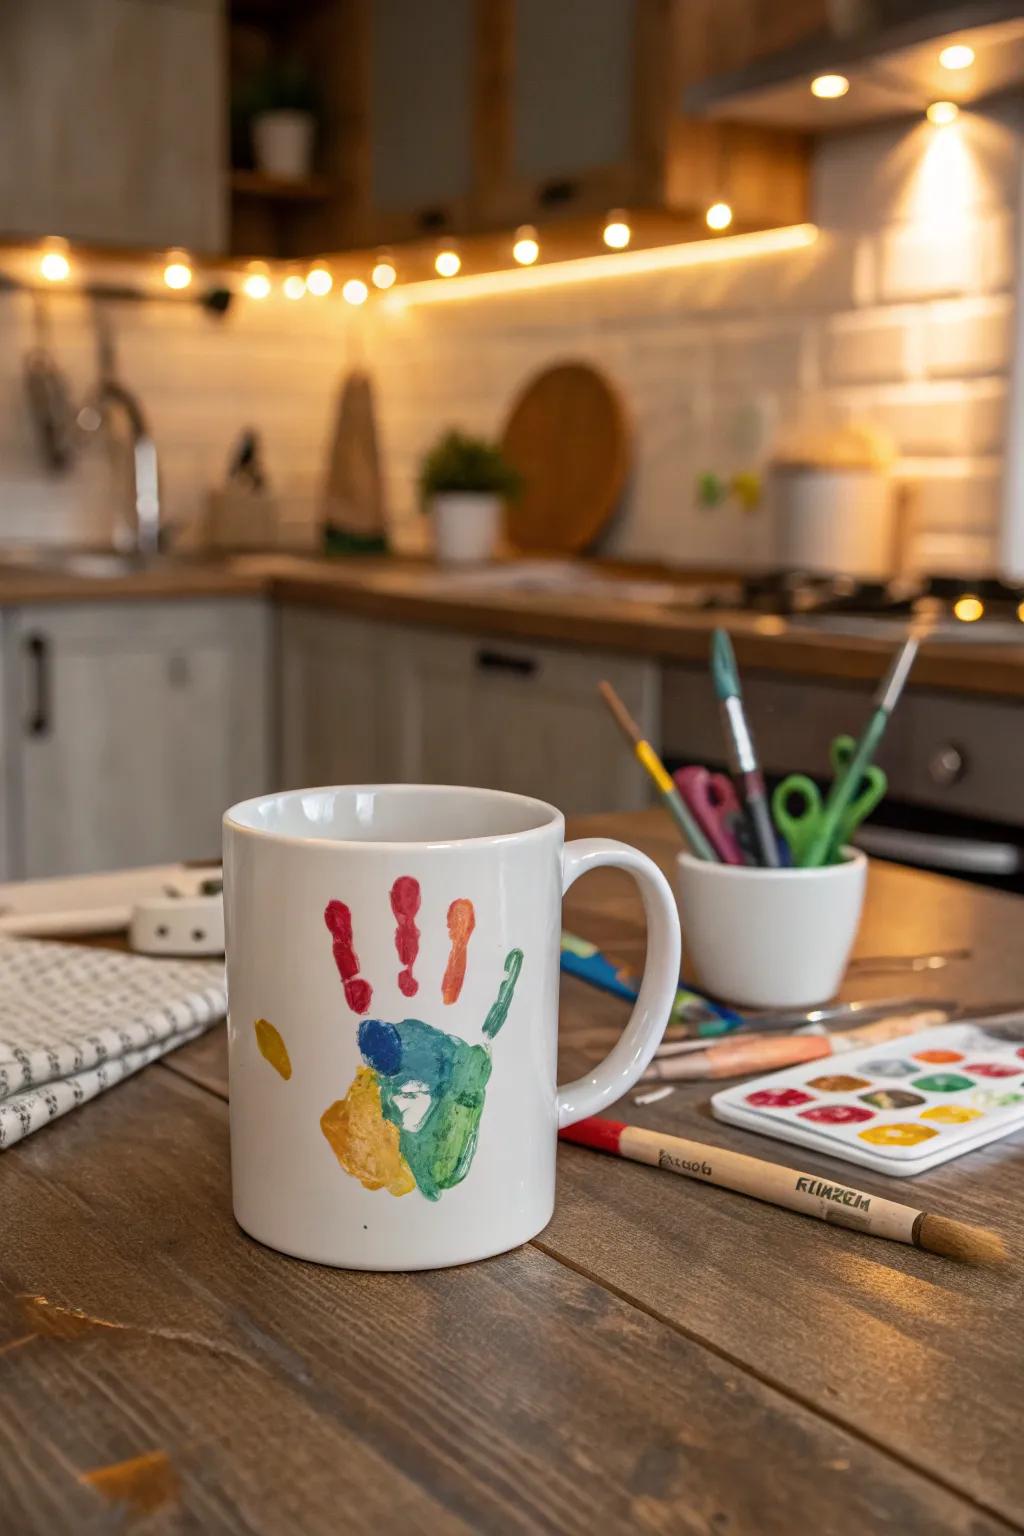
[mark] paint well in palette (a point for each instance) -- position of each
(890, 1066)
(993, 1069)
(837, 1114)
(903, 1133)
(778, 1098)
(892, 1098)
(943, 1082)
(839, 1082)
(938, 1058)
(951, 1114)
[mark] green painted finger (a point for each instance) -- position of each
(503, 1002)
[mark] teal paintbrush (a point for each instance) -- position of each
(743, 763)
(845, 786)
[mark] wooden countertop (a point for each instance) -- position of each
(665, 1357)
(416, 592)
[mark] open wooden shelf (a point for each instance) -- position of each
(312, 189)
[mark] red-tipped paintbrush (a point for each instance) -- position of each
(802, 1192)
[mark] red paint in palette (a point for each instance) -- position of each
(405, 903)
(838, 1114)
(993, 1068)
(358, 993)
(778, 1098)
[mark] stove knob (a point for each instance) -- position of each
(947, 766)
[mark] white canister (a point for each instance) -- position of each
(466, 526)
(282, 143)
(837, 519)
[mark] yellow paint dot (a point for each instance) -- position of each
(905, 1135)
(273, 1048)
(951, 1114)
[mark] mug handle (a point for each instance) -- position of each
(619, 1070)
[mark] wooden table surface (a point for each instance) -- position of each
(665, 1357)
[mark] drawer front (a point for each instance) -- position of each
(949, 751)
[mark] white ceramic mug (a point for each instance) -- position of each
(393, 968)
(770, 938)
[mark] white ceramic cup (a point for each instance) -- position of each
(393, 969)
(770, 938)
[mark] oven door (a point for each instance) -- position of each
(983, 852)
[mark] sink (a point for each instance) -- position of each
(96, 564)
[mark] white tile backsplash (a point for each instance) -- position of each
(899, 315)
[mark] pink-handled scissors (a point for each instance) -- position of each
(716, 808)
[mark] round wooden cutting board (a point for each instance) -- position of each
(568, 437)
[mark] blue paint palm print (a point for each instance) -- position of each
(411, 1117)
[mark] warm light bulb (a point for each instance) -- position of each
(1020, 612)
(828, 87)
(319, 281)
(384, 274)
(54, 264)
(294, 286)
(943, 112)
(968, 608)
(526, 248)
(718, 216)
(447, 263)
(957, 56)
(617, 233)
(355, 291)
(177, 272)
(256, 282)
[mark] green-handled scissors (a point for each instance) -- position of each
(798, 806)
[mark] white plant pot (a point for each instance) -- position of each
(836, 520)
(282, 144)
(466, 525)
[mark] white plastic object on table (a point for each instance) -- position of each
(178, 925)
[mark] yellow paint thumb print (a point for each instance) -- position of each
(273, 1048)
(365, 1144)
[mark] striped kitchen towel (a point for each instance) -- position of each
(75, 1019)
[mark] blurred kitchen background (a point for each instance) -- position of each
(729, 285)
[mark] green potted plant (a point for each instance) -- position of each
(464, 481)
(281, 107)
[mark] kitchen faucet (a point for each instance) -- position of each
(143, 538)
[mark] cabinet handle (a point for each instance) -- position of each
(37, 649)
(555, 194)
(501, 661)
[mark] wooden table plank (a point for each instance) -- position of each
(513, 1395)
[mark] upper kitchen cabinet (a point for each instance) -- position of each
(112, 122)
(475, 116)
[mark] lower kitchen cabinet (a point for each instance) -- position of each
(520, 717)
(363, 700)
(334, 724)
(131, 727)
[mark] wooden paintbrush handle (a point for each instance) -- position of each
(803, 1192)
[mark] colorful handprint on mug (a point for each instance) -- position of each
(411, 1116)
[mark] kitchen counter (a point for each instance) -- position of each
(665, 1356)
(411, 592)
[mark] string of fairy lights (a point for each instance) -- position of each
(260, 278)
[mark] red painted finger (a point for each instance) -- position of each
(358, 992)
(405, 903)
(461, 922)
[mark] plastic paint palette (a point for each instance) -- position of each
(900, 1108)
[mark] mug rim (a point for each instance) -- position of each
(554, 819)
(855, 859)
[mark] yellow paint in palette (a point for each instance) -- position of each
(272, 1048)
(904, 1134)
(951, 1114)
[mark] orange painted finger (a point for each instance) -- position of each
(461, 922)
